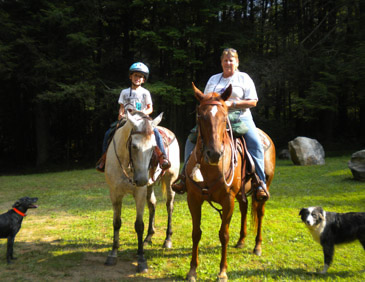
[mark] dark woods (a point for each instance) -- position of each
(64, 63)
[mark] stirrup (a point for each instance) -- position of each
(165, 163)
(179, 188)
(262, 194)
(100, 165)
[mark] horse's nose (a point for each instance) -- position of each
(140, 181)
(213, 156)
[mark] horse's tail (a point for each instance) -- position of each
(257, 211)
(163, 187)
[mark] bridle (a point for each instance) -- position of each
(128, 147)
(233, 162)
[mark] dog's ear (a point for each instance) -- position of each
(16, 204)
(321, 213)
(301, 211)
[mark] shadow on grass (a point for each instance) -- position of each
(289, 274)
(64, 261)
(60, 260)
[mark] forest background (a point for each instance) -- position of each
(64, 63)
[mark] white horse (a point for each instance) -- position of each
(127, 171)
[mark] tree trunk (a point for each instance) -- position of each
(42, 134)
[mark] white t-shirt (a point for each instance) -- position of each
(135, 99)
(243, 88)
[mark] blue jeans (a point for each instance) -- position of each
(189, 147)
(253, 143)
(159, 141)
(105, 140)
(254, 146)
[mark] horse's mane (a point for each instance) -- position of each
(139, 113)
(146, 127)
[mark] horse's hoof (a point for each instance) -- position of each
(147, 243)
(191, 278)
(167, 244)
(239, 245)
(110, 261)
(257, 252)
(223, 278)
(142, 267)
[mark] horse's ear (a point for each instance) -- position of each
(157, 120)
(198, 94)
(227, 93)
(131, 118)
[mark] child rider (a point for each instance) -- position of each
(136, 98)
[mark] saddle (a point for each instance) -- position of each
(248, 167)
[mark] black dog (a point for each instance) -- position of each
(330, 228)
(11, 221)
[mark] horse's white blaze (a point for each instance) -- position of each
(214, 111)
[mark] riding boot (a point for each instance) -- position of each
(262, 194)
(100, 165)
(180, 187)
(164, 162)
(162, 159)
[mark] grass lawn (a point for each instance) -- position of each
(68, 237)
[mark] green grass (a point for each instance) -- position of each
(68, 237)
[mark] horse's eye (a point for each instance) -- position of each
(134, 147)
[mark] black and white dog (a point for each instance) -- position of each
(330, 228)
(11, 221)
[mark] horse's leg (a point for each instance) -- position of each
(195, 211)
(227, 206)
(117, 223)
(258, 210)
(140, 195)
(243, 232)
(151, 201)
(170, 208)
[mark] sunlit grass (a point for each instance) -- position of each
(68, 237)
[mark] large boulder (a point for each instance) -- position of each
(306, 151)
(357, 165)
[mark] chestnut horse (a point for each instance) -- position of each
(222, 172)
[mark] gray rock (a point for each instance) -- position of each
(357, 165)
(306, 151)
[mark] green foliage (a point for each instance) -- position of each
(82, 91)
(306, 58)
(168, 93)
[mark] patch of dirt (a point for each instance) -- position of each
(92, 268)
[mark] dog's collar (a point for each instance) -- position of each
(19, 212)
